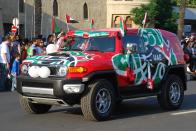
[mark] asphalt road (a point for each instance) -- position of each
(132, 115)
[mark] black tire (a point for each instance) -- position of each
(33, 108)
(165, 98)
(91, 103)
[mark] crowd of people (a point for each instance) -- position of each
(13, 51)
(189, 47)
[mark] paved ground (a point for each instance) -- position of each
(141, 115)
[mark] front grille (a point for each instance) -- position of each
(53, 71)
(37, 84)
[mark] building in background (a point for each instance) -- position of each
(9, 10)
(121, 8)
(35, 16)
(189, 20)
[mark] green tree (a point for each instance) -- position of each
(160, 15)
(189, 3)
(192, 2)
(139, 13)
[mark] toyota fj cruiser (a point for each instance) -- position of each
(102, 68)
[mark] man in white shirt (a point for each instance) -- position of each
(4, 62)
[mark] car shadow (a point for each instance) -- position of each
(136, 107)
(76, 110)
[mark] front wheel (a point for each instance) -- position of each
(99, 102)
(172, 93)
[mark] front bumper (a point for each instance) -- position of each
(60, 88)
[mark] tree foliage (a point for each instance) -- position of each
(189, 3)
(160, 15)
(192, 2)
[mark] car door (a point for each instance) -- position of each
(135, 60)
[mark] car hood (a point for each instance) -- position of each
(66, 58)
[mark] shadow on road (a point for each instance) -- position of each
(189, 102)
(133, 108)
(149, 106)
(69, 110)
(136, 107)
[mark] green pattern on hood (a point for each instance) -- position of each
(68, 58)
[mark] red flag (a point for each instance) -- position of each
(70, 20)
(92, 23)
(54, 26)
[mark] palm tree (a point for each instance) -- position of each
(181, 18)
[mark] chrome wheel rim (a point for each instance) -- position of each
(175, 93)
(103, 101)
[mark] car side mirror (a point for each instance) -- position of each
(131, 48)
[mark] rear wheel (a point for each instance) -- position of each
(99, 102)
(33, 108)
(172, 93)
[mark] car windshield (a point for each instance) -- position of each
(102, 44)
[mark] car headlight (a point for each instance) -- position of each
(34, 71)
(24, 69)
(62, 71)
(44, 72)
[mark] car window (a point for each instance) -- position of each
(136, 40)
(103, 44)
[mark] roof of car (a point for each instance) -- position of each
(129, 30)
(112, 32)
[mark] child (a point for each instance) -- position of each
(15, 70)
